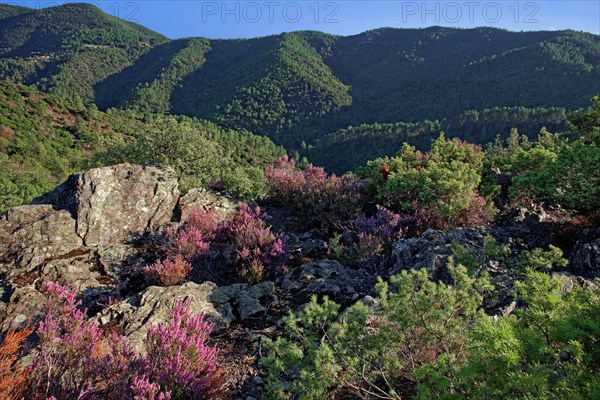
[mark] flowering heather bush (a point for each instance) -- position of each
(169, 272)
(194, 237)
(12, 375)
(252, 249)
(178, 359)
(323, 201)
(368, 237)
(76, 359)
(143, 389)
(283, 180)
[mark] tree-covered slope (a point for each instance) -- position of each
(414, 74)
(272, 86)
(298, 87)
(350, 147)
(68, 48)
(44, 138)
(149, 83)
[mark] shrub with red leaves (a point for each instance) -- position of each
(12, 375)
(171, 271)
(323, 201)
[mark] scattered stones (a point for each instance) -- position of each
(585, 257)
(328, 277)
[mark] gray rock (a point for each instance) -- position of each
(25, 305)
(257, 380)
(32, 235)
(114, 202)
(327, 277)
(155, 304)
(77, 233)
(206, 199)
(569, 281)
(247, 300)
(111, 203)
(585, 257)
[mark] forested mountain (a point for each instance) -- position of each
(301, 88)
(67, 49)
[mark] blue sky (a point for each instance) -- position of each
(237, 19)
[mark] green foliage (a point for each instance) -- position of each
(428, 340)
(553, 169)
(546, 350)
(282, 85)
(540, 260)
(295, 87)
(587, 124)
(440, 186)
(355, 145)
(199, 151)
(68, 49)
(42, 140)
(378, 351)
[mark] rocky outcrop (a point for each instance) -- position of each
(585, 257)
(433, 248)
(33, 235)
(220, 305)
(247, 301)
(328, 277)
(109, 204)
(91, 232)
(154, 305)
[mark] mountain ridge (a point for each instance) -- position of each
(298, 87)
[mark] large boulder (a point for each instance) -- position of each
(79, 234)
(112, 203)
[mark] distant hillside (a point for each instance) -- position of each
(69, 48)
(44, 138)
(272, 86)
(351, 147)
(298, 87)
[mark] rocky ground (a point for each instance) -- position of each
(99, 228)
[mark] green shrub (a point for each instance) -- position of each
(416, 323)
(440, 186)
(428, 340)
